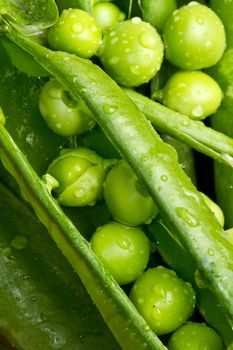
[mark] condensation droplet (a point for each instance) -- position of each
(123, 243)
(197, 111)
(79, 193)
(164, 178)
(77, 28)
(19, 242)
(148, 40)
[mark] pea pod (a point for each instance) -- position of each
(193, 133)
(154, 162)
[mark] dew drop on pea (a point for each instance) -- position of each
(123, 243)
(148, 40)
(79, 193)
(156, 313)
(134, 69)
(77, 28)
(197, 111)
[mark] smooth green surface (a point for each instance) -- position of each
(43, 302)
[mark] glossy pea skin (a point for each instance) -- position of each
(157, 12)
(131, 52)
(75, 32)
(194, 37)
(164, 300)
(64, 115)
(107, 14)
(195, 336)
(230, 346)
(126, 197)
(80, 174)
(193, 93)
(122, 249)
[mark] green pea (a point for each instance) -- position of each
(163, 299)
(107, 14)
(75, 32)
(64, 115)
(131, 52)
(80, 174)
(126, 197)
(157, 12)
(194, 37)
(193, 93)
(195, 336)
(122, 249)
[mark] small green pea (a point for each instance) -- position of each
(195, 336)
(122, 249)
(75, 32)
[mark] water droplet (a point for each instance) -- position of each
(197, 111)
(134, 69)
(77, 28)
(148, 40)
(164, 178)
(199, 20)
(140, 301)
(210, 252)
(113, 60)
(187, 217)
(136, 20)
(19, 242)
(123, 243)
(79, 193)
(156, 313)
(109, 109)
(114, 40)
(186, 122)
(208, 43)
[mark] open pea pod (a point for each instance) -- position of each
(152, 160)
(42, 301)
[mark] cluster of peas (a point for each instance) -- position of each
(132, 52)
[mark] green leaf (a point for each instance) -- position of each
(43, 303)
(38, 14)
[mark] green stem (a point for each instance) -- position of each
(194, 133)
(153, 161)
